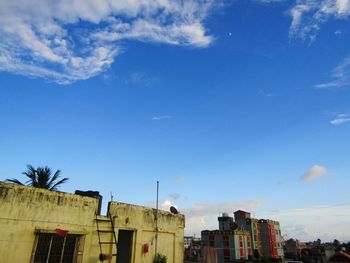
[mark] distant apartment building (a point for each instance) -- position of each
(190, 240)
(271, 238)
(293, 248)
(244, 221)
(243, 237)
(230, 243)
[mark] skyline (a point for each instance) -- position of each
(229, 104)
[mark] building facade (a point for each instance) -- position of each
(230, 245)
(39, 225)
(245, 238)
(252, 225)
(271, 239)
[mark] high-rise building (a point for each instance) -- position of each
(271, 238)
(226, 222)
(230, 245)
(244, 221)
(244, 237)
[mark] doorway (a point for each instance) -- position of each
(124, 248)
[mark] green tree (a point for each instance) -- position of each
(42, 177)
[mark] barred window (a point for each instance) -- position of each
(51, 248)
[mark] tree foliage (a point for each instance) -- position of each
(41, 177)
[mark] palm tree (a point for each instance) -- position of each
(41, 178)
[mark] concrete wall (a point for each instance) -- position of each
(141, 220)
(25, 211)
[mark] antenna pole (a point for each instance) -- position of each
(156, 219)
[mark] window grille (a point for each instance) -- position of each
(52, 248)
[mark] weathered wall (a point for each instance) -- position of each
(142, 221)
(23, 210)
(26, 209)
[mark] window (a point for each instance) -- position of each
(51, 248)
(226, 253)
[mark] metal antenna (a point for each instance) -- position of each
(156, 219)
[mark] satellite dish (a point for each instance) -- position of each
(173, 210)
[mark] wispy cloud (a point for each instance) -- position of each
(299, 27)
(203, 216)
(175, 196)
(163, 204)
(141, 79)
(179, 178)
(307, 18)
(271, 1)
(339, 32)
(313, 173)
(166, 204)
(340, 119)
(308, 15)
(66, 41)
(310, 223)
(163, 117)
(340, 74)
(265, 93)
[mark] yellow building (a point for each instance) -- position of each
(40, 226)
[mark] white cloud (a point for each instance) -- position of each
(313, 173)
(179, 178)
(307, 18)
(163, 117)
(66, 41)
(310, 223)
(203, 216)
(340, 119)
(141, 79)
(166, 204)
(175, 196)
(339, 32)
(163, 204)
(271, 1)
(341, 75)
(308, 15)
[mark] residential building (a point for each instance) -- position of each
(292, 249)
(271, 239)
(244, 237)
(244, 221)
(39, 225)
(230, 245)
(226, 222)
(190, 240)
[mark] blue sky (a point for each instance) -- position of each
(230, 105)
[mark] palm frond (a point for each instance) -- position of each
(54, 187)
(31, 174)
(41, 177)
(14, 181)
(54, 178)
